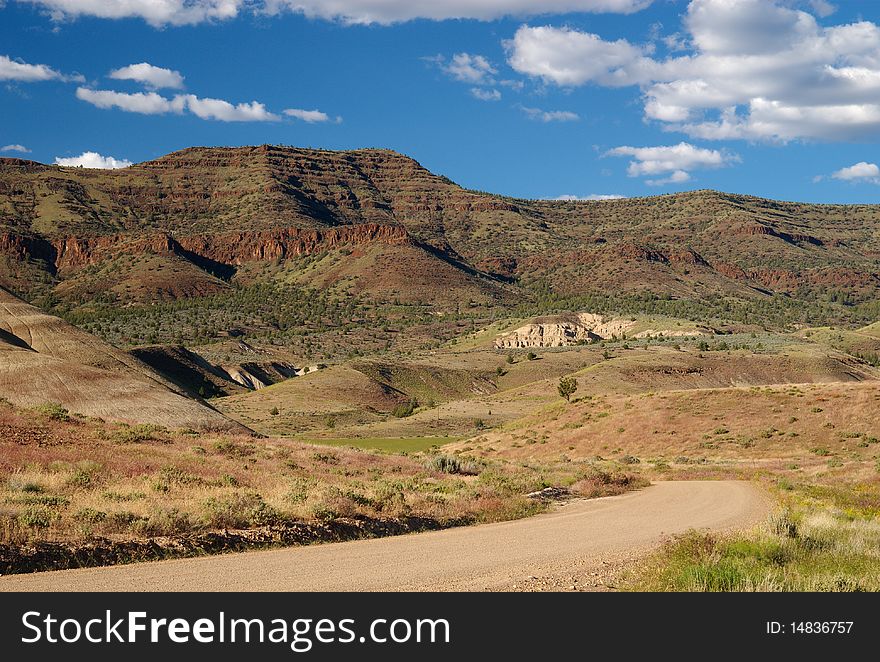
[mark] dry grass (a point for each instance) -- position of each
(808, 547)
(75, 480)
(808, 429)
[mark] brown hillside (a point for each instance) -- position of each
(45, 360)
(208, 212)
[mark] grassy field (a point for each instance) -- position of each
(819, 540)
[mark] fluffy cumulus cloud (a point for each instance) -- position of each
(92, 160)
(153, 103)
(145, 103)
(860, 172)
(751, 69)
(311, 116)
(671, 164)
(218, 109)
(149, 75)
(567, 57)
(396, 11)
(28, 73)
(155, 12)
(15, 148)
(549, 115)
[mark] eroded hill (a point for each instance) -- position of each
(45, 360)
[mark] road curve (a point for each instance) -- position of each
(485, 557)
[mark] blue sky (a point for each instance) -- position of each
(606, 97)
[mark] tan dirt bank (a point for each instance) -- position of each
(570, 541)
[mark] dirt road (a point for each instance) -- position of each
(572, 541)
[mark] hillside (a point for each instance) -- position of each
(376, 224)
(45, 361)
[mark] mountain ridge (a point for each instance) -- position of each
(212, 211)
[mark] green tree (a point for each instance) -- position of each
(567, 387)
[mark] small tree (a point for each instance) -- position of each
(567, 387)
(510, 359)
(531, 356)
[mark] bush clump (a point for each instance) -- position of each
(404, 409)
(448, 464)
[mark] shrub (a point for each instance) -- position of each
(89, 515)
(326, 458)
(452, 465)
(404, 409)
(54, 411)
(37, 517)
(170, 477)
(18, 483)
(784, 525)
(239, 511)
(133, 434)
(85, 474)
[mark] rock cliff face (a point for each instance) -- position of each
(241, 247)
(581, 329)
(562, 331)
(229, 248)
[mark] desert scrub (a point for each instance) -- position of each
(135, 434)
(595, 482)
(74, 493)
(239, 511)
(453, 465)
(53, 411)
(404, 409)
(801, 550)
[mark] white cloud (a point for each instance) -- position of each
(475, 70)
(567, 57)
(593, 197)
(549, 115)
(467, 68)
(752, 69)
(823, 8)
(152, 103)
(485, 94)
(22, 71)
(674, 161)
(386, 12)
(677, 177)
(310, 116)
(151, 76)
(146, 103)
(15, 148)
(218, 109)
(155, 12)
(92, 160)
(860, 172)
